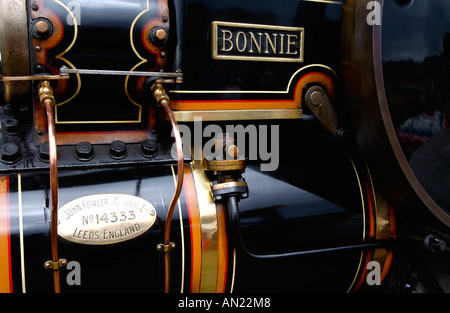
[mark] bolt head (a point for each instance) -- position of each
(9, 153)
(158, 35)
(84, 151)
(42, 28)
(161, 34)
(117, 149)
(149, 147)
(10, 126)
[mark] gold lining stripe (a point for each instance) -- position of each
(225, 115)
(234, 271)
(325, 1)
(258, 91)
(60, 56)
(364, 226)
(381, 212)
(182, 234)
(362, 200)
(357, 271)
(138, 64)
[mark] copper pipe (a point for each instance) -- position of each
(48, 101)
(180, 164)
(53, 190)
(164, 101)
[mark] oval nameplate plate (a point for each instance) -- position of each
(103, 219)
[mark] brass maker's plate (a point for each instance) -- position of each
(103, 219)
(255, 42)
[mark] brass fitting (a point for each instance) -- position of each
(50, 265)
(45, 93)
(160, 94)
(165, 248)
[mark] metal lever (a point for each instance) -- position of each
(318, 102)
(47, 99)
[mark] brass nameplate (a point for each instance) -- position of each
(254, 42)
(103, 219)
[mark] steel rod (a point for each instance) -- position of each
(65, 70)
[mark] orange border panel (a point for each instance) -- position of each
(5, 239)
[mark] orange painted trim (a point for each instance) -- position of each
(233, 105)
(195, 229)
(387, 265)
(6, 285)
(371, 208)
(294, 103)
(223, 248)
(392, 222)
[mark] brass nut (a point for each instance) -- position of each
(161, 34)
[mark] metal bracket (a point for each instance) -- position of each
(165, 248)
(318, 102)
(50, 265)
(225, 189)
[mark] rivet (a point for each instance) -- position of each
(41, 27)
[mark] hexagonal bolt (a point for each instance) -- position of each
(149, 148)
(117, 149)
(10, 126)
(84, 151)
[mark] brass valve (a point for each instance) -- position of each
(45, 93)
(160, 94)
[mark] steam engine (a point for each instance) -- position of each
(193, 146)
